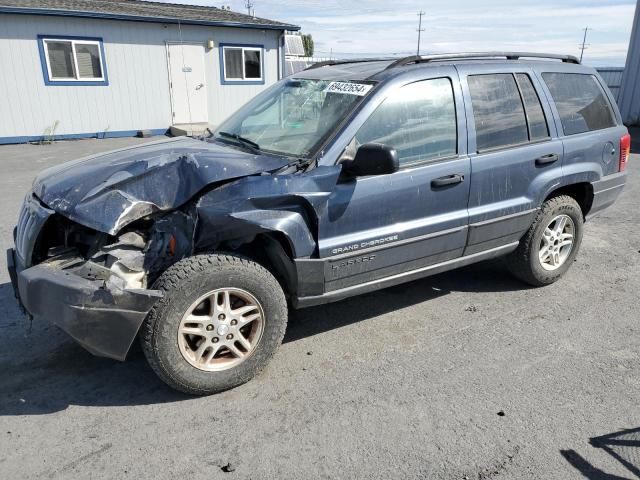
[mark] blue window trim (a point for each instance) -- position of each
(221, 48)
(66, 83)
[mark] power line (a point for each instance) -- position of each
(420, 29)
(584, 43)
(249, 6)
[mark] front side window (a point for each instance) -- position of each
(418, 120)
(69, 61)
(242, 64)
(581, 102)
(294, 117)
(498, 111)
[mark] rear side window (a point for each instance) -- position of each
(418, 120)
(581, 102)
(536, 120)
(498, 112)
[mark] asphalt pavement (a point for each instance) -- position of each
(464, 375)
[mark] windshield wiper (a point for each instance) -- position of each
(244, 141)
(300, 164)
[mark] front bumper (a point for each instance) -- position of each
(103, 321)
(13, 265)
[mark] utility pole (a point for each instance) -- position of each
(584, 43)
(248, 5)
(420, 29)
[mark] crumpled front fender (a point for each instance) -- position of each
(287, 204)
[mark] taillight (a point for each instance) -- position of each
(625, 151)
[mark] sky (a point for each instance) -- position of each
(389, 27)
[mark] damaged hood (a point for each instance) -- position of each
(110, 190)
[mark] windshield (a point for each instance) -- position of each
(294, 117)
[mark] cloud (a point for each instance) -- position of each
(381, 27)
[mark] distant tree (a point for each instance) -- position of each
(307, 43)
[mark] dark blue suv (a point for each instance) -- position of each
(346, 178)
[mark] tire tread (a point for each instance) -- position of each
(170, 280)
(519, 261)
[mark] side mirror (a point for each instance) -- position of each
(372, 159)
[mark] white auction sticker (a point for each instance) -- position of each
(359, 89)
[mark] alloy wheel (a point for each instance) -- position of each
(221, 329)
(556, 242)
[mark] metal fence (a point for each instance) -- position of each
(613, 78)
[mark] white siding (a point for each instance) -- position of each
(137, 96)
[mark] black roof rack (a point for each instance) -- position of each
(344, 61)
(479, 55)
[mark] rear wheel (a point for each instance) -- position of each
(220, 321)
(551, 244)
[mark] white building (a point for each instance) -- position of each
(104, 68)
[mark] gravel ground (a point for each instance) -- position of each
(465, 375)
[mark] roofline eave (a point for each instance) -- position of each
(138, 18)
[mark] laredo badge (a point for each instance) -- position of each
(348, 88)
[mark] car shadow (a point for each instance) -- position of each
(623, 446)
(489, 276)
(57, 373)
(635, 139)
(43, 371)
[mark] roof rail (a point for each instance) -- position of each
(479, 55)
(344, 61)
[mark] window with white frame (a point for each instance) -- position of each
(73, 60)
(242, 64)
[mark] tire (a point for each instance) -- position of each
(183, 284)
(525, 264)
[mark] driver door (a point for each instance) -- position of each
(384, 225)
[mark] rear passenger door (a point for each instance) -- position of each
(515, 154)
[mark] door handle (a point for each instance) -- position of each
(448, 180)
(547, 159)
(198, 87)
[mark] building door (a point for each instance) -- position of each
(187, 82)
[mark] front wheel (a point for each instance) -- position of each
(551, 244)
(220, 321)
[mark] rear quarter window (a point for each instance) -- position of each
(581, 102)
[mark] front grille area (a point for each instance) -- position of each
(30, 221)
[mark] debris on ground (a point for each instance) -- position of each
(228, 468)
(471, 308)
(498, 467)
